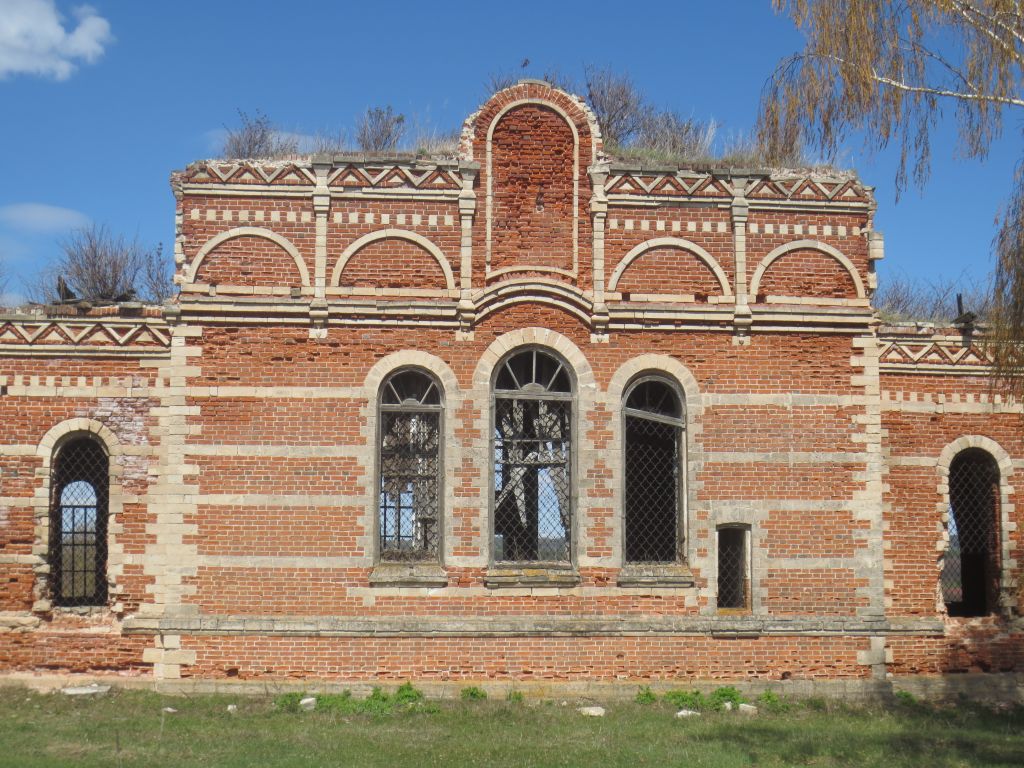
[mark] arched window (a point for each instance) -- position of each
(653, 459)
(970, 571)
(533, 395)
(79, 495)
(409, 467)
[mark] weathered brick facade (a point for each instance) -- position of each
(244, 428)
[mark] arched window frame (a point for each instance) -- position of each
(956, 520)
(681, 464)
(100, 480)
(387, 391)
(1007, 562)
(570, 397)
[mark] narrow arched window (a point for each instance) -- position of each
(653, 458)
(533, 400)
(410, 467)
(79, 491)
(970, 571)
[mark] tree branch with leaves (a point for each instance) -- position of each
(888, 69)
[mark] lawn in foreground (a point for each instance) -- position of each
(129, 728)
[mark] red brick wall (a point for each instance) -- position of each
(670, 270)
(248, 261)
(532, 167)
(806, 272)
(393, 263)
(550, 659)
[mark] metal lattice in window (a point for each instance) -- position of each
(653, 445)
(970, 571)
(733, 573)
(79, 491)
(410, 467)
(532, 459)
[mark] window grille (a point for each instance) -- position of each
(532, 459)
(970, 571)
(410, 467)
(79, 491)
(733, 575)
(653, 435)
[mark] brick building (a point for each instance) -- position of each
(527, 413)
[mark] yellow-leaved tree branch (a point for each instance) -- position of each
(889, 70)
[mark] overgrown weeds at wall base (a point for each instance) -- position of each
(772, 702)
(700, 702)
(694, 700)
(472, 693)
(646, 696)
(405, 699)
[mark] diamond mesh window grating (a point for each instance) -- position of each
(733, 580)
(653, 438)
(532, 460)
(410, 467)
(970, 570)
(78, 523)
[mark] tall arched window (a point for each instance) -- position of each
(533, 396)
(410, 467)
(79, 496)
(653, 452)
(970, 572)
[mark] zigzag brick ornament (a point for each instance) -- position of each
(525, 414)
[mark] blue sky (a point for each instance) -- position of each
(100, 103)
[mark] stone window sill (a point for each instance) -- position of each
(655, 575)
(531, 576)
(408, 575)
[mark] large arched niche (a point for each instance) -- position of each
(534, 143)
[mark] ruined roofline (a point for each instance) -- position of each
(271, 168)
(112, 311)
(571, 106)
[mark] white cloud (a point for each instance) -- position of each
(38, 217)
(34, 41)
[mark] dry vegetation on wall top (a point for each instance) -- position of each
(634, 131)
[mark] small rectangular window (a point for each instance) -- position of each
(733, 573)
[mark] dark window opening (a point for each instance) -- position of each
(532, 459)
(78, 523)
(653, 440)
(970, 571)
(410, 467)
(733, 577)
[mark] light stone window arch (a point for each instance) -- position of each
(654, 470)
(997, 595)
(532, 445)
(451, 398)
(93, 516)
(665, 368)
(409, 456)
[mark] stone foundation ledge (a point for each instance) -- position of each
(991, 688)
(524, 626)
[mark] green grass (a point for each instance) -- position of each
(127, 728)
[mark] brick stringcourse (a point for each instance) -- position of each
(241, 423)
